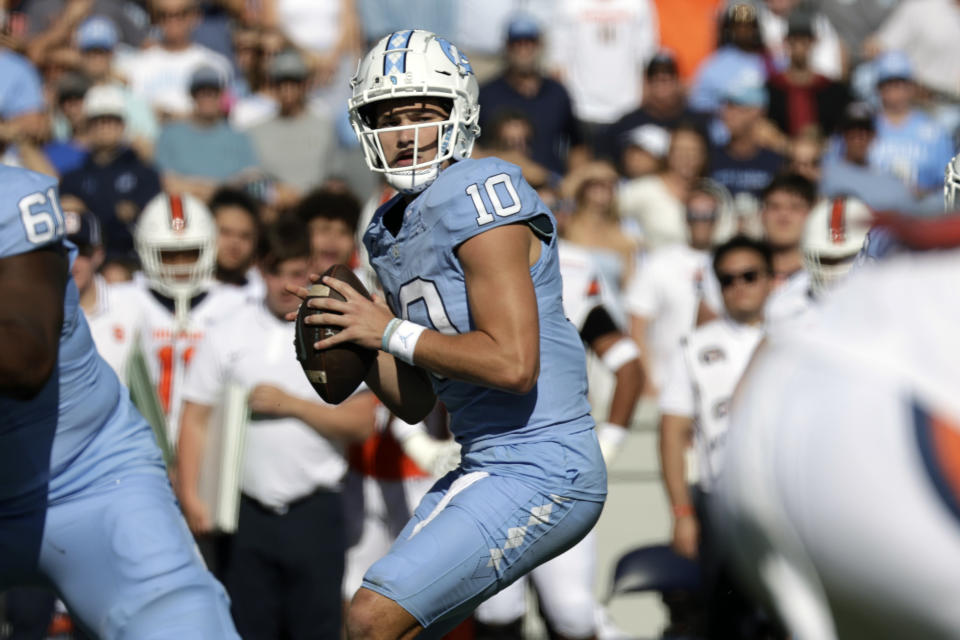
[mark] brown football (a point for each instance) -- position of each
(335, 373)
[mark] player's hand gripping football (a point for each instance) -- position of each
(363, 321)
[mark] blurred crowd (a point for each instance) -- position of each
(655, 129)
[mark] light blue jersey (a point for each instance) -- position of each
(85, 503)
(62, 437)
(915, 151)
(424, 282)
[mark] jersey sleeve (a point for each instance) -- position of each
(474, 196)
(641, 297)
(206, 374)
(30, 217)
(676, 396)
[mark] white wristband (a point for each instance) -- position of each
(620, 353)
(611, 437)
(403, 340)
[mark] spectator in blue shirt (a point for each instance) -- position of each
(742, 165)
(522, 87)
(849, 174)
(113, 182)
(739, 57)
(909, 143)
(197, 155)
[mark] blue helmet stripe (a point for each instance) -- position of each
(394, 63)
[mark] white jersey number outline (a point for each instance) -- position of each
(41, 226)
(490, 185)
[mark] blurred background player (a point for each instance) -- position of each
(564, 585)
(85, 498)
(286, 564)
(694, 402)
(861, 403)
(175, 301)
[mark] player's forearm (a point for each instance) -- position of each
(404, 389)
(674, 438)
(626, 393)
(476, 357)
(351, 421)
(190, 447)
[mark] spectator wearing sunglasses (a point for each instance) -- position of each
(705, 368)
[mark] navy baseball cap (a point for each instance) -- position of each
(83, 228)
(205, 77)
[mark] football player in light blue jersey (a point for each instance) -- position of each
(467, 256)
(85, 503)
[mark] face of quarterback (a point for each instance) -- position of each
(294, 271)
(745, 283)
(399, 144)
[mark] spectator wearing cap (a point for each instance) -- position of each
(742, 165)
(161, 74)
(909, 144)
(598, 49)
(827, 54)
(741, 53)
(656, 202)
(113, 182)
(800, 97)
(928, 32)
(298, 145)
(664, 105)
(850, 174)
(197, 154)
(523, 87)
(97, 39)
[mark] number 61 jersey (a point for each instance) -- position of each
(424, 282)
(80, 425)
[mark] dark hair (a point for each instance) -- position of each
(741, 242)
(231, 197)
(285, 239)
(331, 205)
(792, 183)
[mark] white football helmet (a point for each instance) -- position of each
(414, 63)
(833, 236)
(951, 183)
(171, 223)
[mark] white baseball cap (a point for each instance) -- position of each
(104, 101)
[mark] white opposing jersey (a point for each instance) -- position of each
(167, 348)
(113, 327)
(839, 491)
(667, 291)
(705, 369)
(584, 288)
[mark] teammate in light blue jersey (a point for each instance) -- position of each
(467, 256)
(85, 503)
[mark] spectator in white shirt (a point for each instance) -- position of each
(161, 74)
